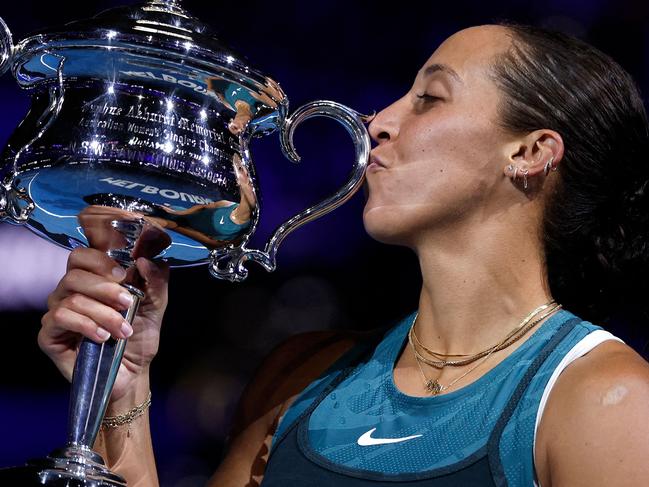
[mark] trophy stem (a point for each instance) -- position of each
(94, 375)
(76, 465)
(97, 364)
(96, 367)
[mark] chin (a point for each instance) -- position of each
(385, 226)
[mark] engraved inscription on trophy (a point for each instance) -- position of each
(156, 133)
(180, 140)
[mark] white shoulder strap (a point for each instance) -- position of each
(581, 348)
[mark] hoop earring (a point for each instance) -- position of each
(549, 166)
(525, 171)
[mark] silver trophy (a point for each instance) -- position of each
(137, 144)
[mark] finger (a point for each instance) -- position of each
(104, 316)
(61, 321)
(156, 279)
(156, 274)
(100, 288)
(97, 262)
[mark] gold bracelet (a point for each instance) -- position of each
(127, 418)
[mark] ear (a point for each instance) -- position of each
(534, 153)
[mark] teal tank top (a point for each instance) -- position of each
(491, 420)
(213, 222)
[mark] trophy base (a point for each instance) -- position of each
(68, 467)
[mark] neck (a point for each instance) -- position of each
(478, 283)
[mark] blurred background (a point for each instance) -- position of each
(330, 273)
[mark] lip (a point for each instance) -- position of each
(375, 163)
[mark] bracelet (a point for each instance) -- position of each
(128, 417)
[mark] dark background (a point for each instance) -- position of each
(331, 274)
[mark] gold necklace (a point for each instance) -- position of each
(438, 354)
(434, 387)
(508, 340)
(520, 329)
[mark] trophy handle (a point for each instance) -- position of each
(7, 199)
(228, 263)
(15, 204)
(6, 47)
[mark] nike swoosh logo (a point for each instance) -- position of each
(366, 439)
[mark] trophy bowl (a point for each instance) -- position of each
(137, 143)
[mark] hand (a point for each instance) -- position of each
(87, 303)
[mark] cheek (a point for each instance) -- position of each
(400, 187)
(400, 200)
(443, 167)
(419, 196)
(457, 137)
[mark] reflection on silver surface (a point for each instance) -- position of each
(135, 117)
(182, 168)
(137, 144)
(6, 46)
(145, 110)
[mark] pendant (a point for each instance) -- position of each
(433, 387)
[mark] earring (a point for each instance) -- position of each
(525, 171)
(549, 166)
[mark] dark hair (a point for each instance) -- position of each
(595, 226)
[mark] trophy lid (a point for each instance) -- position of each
(156, 43)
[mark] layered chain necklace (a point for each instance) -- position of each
(440, 360)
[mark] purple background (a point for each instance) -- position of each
(331, 274)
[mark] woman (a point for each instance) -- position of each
(245, 104)
(515, 169)
(214, 224)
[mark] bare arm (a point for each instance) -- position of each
(597, 427)
(197, 208)
(128, 450)
(87, 303)
(281, 377)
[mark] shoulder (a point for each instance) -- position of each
(596, 422)
(287, 369)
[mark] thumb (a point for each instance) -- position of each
(155, 275)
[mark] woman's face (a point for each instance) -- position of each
(442, 149)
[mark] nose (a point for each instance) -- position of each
(385, 125)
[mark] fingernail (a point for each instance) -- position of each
(102, 333)
(119, 273)
(125, 299)
(126, 330)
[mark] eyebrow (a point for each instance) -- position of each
(444, 68)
